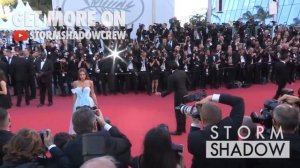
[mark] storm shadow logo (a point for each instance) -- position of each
(128, 6)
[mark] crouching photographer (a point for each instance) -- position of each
(95, 138)
(211, 116)
(285, 119)
(27, 149)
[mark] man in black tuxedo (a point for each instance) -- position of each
(31, 83)
(281, 73)
(86, 122)
(177, 83)
(144, 72)
(5, 133)
(20, 69)
(131, 78)
(141, 33)
(165, 31)
(3, 67)
(286, 118)
(9, 59)
(44, 70)
(211, 115)
(171, 43)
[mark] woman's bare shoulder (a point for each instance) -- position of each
(75, 83)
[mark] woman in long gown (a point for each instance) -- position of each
(5, 100)
(84, 95)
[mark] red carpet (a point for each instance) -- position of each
(133, 114)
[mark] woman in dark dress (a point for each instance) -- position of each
(155, 70)
(151, 33)
(5, 101)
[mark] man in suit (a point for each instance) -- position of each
(131, 78)
(141, 33)
(3, 67)
(165, 31)
(44, 70)
(9, 59)
(281, 72)
(20, 69)
(177, 83)
(144, 70)
(211, 115)
(171, 43)
(86, 122)
(30, 61)
(5, 133)
(286, 118)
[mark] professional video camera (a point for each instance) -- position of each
(43, 133)
(157, 27)
(265, 117)
(194, 110)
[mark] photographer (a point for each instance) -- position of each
(141, 33)
(83, 63)
(88, 121)
(281, 72)
(5, 133)
(177, 83)
(26, 149)
(286, 118)
(211, 115)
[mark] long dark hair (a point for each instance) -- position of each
(85, 71)
(2, 76)
(25, 146)
(158, 151)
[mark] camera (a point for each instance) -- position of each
(94, 108)
(265, 117)
(193, 111)
(157, 27)
(194, 97)
(43, 133)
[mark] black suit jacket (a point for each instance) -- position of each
(73, 69)
(4, 59)
(4, 67)
(30, 61)
(177, 83)
(20, 69)
(147, 65)
(281, 72)
(11, 65)
(45, 74)
(292, 162)
(197, 138)
(118, 142)
(4, 138)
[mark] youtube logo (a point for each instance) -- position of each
(20, 35)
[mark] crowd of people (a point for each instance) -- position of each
(97, 143)
(211, 55)
(155, 62)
